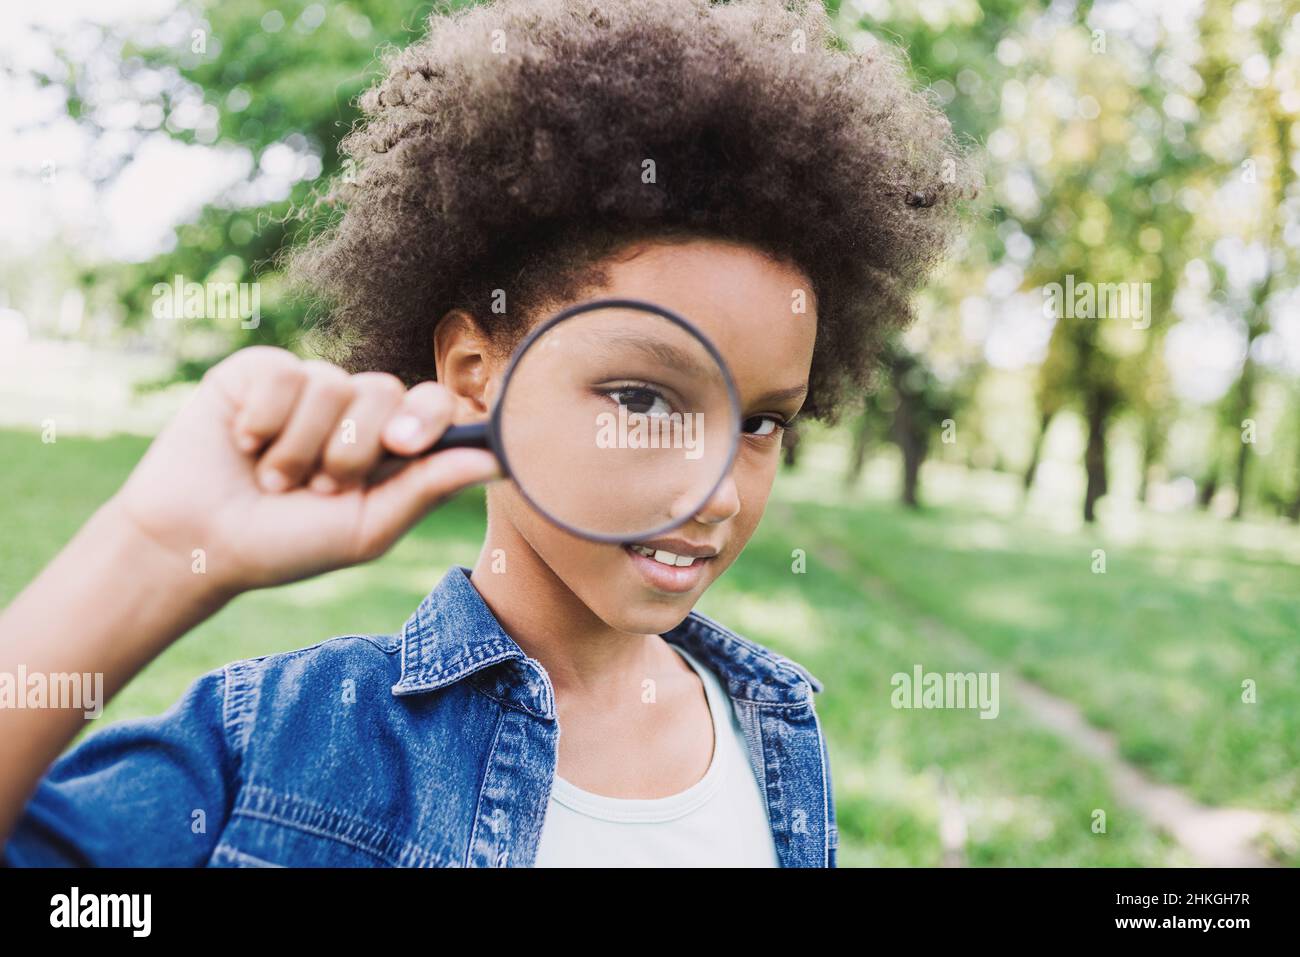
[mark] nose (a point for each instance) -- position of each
(723, 504)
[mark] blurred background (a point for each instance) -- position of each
(1081, 470)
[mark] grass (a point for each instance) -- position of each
(1155, 649)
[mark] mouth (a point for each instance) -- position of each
(673, 566)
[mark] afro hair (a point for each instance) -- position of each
(508, 150)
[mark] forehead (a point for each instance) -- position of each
(758, 311)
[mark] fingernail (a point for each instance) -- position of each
(324, 484)
(403, 429)
(273, 480)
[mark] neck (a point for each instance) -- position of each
(581, 653)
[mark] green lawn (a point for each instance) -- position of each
(1154, 650)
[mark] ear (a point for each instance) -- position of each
(463, 358)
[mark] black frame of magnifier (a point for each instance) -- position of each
(487, 434)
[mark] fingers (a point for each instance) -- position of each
(312, 423)
(271, 399)
(355, 445)
(425, 413)
(309, 422)
(295, 452)
(383, 417)
(397, 503)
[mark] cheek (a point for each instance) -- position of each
(600, 576)
(755, 471)
(574, 560)
(546, 538)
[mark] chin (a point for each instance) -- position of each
(642, 617)
(606, 579)
(616, 593)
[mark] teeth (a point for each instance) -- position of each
(668, 558)
(663, 557)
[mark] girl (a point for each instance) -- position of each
(729, 162)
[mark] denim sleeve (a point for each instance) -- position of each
(832, 826)
(144, 792)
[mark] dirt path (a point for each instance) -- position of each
(1211, 836)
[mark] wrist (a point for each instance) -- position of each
(109, 602)
(169, 572)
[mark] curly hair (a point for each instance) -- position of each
(506, 150)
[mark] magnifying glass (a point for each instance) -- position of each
(617, 420)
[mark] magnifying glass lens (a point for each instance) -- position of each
(618, 423)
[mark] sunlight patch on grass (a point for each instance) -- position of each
(991, 817)
(1012, 603)
(798, 625)
(887, 778)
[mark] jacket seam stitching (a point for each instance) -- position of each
(232, 740)
(478, 798)
(227, 850)
(767, 802)
(826, 791)
(781, 663)
(404, 849)
(371, 640)
(503, 702)
(452, 672)
(317, 831)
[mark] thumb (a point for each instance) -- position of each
(399, 501)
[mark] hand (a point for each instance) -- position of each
(277, 469)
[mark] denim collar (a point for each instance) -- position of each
(453, 635)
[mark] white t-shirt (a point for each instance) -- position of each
(720, 821)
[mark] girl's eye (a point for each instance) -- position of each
(640, 400)
(763, 425)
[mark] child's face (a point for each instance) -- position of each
(745, 303)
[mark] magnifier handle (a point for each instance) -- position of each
(472, 436)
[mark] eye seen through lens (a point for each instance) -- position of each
(617, 421)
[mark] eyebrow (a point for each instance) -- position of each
(671, 354)
(667, 353)
(778, 396)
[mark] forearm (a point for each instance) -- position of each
(108, 604)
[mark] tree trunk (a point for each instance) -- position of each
(1150, 453)
(1094, 457)
(912, 446)
(1257, 319)
(858, 455)
(1293, 510)
(1208, 488)
(1245, 396)
(790, 448)
(1240, 480)
(913, 456)
(1032, 472)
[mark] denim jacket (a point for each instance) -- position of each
(435, 747)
